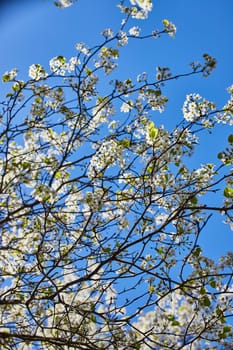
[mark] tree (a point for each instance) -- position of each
(101, 212)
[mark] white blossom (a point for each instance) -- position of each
(141, 8)
(122, 38)
(195, 107)
(126, 106)
(169, 28)
(134, 31)
(37, 72)
(82, 48)
(9, 76)
(107, 33)
(65, 3)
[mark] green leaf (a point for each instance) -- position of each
(228, 192)
(58, 175)
(160, 250)
(193, 200)
(61, 59)
(165, 22)
(107, 250)
(154, 92)
(25, 165)
(171, 317)
(125, 143)
(222, 336)
(223, 319)
(45, 197)
(93, 318)
(15, 87)
(88, 71)
(37, 100)
(6, 77)
(205, 301)
(150, 169)
(213, 283)
(197, 252)
(219, 312)
(202, 290)
(128, 82)
(227, 329)
(230, 138)
(47, 161)
(115, 53)
(153, 131)
(151, 289)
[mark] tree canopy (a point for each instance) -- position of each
(101, 210)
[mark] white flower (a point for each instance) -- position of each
(190, 109)
(64, 3)
(8, 76)
(73, 62)
(108, 154)
(126, 107)
(205, 173)
(224, 118)
(107, 33)
(58, 65)
(146, 5)
(227, 116)
(142, 77)
(134, 31)
(169, 27)
(37, 72)
(82, 48)
(113, 124)
(141, 8)
(195, 108)
(122, 38)
(160, 219)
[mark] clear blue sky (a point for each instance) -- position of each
(33, 31)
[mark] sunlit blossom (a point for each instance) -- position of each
(134, 31)
(37, 72)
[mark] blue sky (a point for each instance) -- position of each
(33, 31)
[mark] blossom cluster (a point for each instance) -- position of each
(226, 116)
(141, 8)
(169, 27)
(37, 72)
(59, 65)
(9, 76)
(197, 108)
(107, 57)
(181, 319)
(82, 48)
(107, 154)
